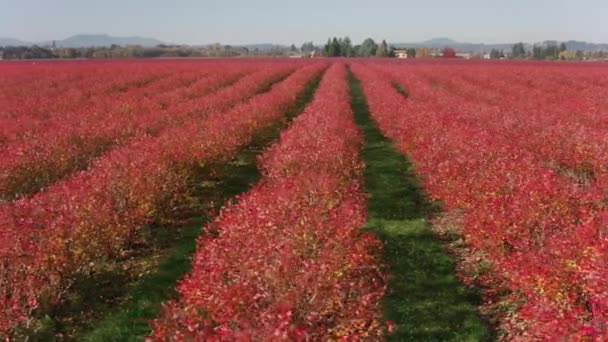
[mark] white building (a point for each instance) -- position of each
(401, 54)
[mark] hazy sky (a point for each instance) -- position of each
(283, 21)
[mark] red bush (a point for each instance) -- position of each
(448, 53)
(69, 141)
(288, 261)
(56, 234)
(516, 164)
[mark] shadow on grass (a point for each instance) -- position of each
(130, 321)
(425, 300)
(115, 305)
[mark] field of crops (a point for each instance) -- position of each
(511, 156)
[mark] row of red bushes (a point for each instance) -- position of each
(564, 131)
(542, 232)
(52, 237)
(35, 97)
(71, 141)
(287, 260)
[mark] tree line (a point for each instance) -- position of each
(136, 51)
(343, 47)
(553, 52)
(335, 47)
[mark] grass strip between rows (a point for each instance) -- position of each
(425, 300)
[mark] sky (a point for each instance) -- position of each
(286, 22)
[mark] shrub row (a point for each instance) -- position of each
(56, 235)
(287, 261)
(542, 234)
(69, 144)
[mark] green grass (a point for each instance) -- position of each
(143, 303)
(425, 300)
(400, 89)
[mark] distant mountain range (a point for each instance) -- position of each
(101, 40)
(86, 40)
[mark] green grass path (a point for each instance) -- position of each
(425, 299)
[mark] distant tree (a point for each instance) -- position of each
(518, 50)
(411, 53)
(368, 48)
(563, 47)
(537, 52)
(334, 48)
(293, 48)
(448, 52)
(497, 54)
(327, 47)
(24, 52)
(339, 45)
(346, 48)
(580, 55)
(337, 42)
(382, 50)
(154, 52)
(307, 47)
(551, 52)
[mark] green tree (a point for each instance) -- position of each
(327, 47)
(334, 50)
(518, 50)
(307, 47)
(411, 53)
(580, 55)
(551, 52)
(347, 47)
(368, 48)
(382, 50)
(537, 52)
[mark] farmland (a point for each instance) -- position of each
(314, 199)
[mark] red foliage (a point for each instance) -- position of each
(46, 239)
(50, 145)
(529, 177)
(448, 52)
(289, 262)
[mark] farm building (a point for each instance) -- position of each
(401, 53)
